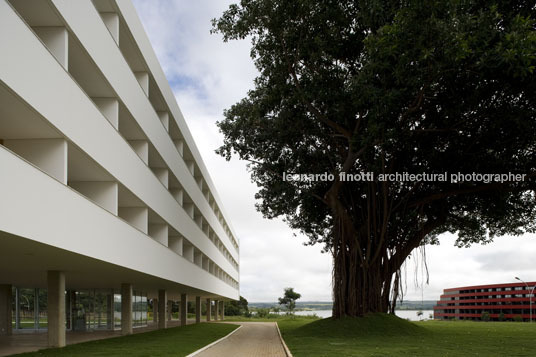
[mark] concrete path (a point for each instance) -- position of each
(254, 339)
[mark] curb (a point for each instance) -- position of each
(213, 343)
(287, 351)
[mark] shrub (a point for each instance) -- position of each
(518, 318)
(263, 313)
(236, 308)
(485, 316)
(501, 317)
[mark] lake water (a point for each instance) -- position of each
(405, 314)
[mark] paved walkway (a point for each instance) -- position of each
(254, 339)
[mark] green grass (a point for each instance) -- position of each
(176, 341)
(375, 335)
(386, 335)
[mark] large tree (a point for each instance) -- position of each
(387, 87)
(289, 299)
(236, 308)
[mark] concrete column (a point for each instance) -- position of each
(56, 308)
(5, 310)
(162, 300)
(126, 309)
(217, 312)
(169, 310)
(184, 309)
(197, 309)
(222, 308)
(208, 310)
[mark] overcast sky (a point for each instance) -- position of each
(208, 76)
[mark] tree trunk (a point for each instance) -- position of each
(362, 270)
(358, 288)
(366, 277)
(368, 251)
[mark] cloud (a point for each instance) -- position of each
(508, 259)
(497, 262)
(207, 76)
(200, 67)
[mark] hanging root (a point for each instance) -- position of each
(400, 278)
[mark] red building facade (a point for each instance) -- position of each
(500, 301)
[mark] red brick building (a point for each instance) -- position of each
(470, 302)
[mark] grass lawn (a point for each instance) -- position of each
(375, 335)
(386, 335)
(176, 341)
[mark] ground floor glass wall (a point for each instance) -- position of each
(29, 309)
(139, 309)
(89, 310)
(85, 310)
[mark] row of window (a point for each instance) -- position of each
(502, 288)
(479, 311)
(471, 294)
(488, 303)
(493, 296)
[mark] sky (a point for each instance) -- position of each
(208, 76)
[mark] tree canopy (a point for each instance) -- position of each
(419, 87)
(289, 299)
(236, 308)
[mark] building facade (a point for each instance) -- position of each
(501, 301)
(108, 216)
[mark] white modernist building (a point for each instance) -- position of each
(108, 216)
